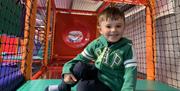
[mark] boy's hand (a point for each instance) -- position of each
(69, 78)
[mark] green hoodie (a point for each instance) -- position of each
(116, 63)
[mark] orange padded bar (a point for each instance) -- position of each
(150, 42)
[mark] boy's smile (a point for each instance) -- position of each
(112, 29)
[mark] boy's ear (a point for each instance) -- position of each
(98, 27)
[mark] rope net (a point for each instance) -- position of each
(39, 36)
(167, 64)
(136, 31)
(11, 32)
(22, 38)
(166, 48)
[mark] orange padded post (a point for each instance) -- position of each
(52, 34)
(28, 42)
(47, 31)
(150, 41)
(154, 31)
(39, 73)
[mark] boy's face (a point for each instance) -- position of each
(112, 29)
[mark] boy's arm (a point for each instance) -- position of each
(130, 75)
(85, 56)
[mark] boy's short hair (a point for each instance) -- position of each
(112, 12)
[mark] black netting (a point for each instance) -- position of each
(12, 13)
(40, 36)
(168, 42)
(136, 31)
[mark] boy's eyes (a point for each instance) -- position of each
(108, 26)
(117, 26)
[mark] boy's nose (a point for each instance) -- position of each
(113, 29)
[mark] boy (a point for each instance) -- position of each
(114, 66)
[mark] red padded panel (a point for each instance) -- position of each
(73, 33)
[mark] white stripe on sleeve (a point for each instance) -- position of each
(130, 65)
(131, 62)
(86, 55)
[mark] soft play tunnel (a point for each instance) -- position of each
(72, 34)
(38, 36)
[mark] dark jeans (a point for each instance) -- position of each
(86, 74)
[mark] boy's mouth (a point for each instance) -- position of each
(113, 35)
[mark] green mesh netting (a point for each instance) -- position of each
(10, 13)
